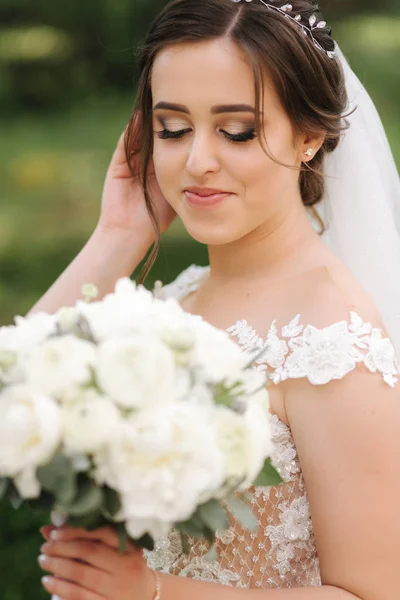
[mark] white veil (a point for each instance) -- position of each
(361, 207)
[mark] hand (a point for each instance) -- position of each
(88, 566)
(123, 204)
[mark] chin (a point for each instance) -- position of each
(212, 235)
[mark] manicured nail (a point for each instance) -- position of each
(55, 535)
(42, 558)
(47, 580)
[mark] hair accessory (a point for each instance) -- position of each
(307, 27)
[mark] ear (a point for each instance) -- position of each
(308, 146)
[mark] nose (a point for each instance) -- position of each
(202, 157)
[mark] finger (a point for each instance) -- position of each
(46, 531)
(69, 591)
(94, 580)
(106, 535)
(93, 553)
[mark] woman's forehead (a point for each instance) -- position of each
(213, 72)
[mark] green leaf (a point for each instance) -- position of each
(192, 527)
(58, 478)
(185, 543)
(15, 499)
(3, 487)
(146, 542)
(88, 500)
(269, 476)
(214, 515)
(242, 513)
(112, 503)
(123, 538)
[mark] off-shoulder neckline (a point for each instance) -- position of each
(296, 344)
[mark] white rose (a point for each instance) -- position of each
(30, 433)
(217, 356)
(17, 341)
(90, 422)
(258, 423)
(137, 372)
(33, 330)
(119, 314)
(60, 365)
(245, 439)
(27, 484)
(232, 436)
(165, 463)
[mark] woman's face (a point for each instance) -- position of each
(204, 140)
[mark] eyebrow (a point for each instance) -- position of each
(215, 110)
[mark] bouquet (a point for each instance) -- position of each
(131, 412)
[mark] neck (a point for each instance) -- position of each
(271, 249)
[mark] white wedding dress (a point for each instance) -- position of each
(282, 553)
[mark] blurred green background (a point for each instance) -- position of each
(67, 86)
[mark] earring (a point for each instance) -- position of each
(309, 152)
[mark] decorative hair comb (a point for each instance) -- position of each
(312, 23)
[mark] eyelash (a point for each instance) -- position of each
(246, 136)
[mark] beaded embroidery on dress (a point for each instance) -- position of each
(282, 553)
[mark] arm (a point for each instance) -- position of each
(106, 257)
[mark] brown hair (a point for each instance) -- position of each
(309, 84)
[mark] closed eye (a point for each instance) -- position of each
(244, 136)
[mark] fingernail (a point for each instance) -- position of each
(55, 535)
(44, 548)
(46, 580)
(42, 558)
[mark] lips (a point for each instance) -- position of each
(205, 197)
(204, 192)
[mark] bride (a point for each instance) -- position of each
(244, 120)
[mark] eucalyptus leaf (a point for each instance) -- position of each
(242, 513)
(191, 528)
(268, 476)
(88, 500)
(56, 477)
(123, 538)
(214, 515)
(112, 503)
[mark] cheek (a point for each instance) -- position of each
(168, 160)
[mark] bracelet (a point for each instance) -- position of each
(158, 586)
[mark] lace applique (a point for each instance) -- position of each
(321, 355)
(186, 283)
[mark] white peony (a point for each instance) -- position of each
(30, 433)
(258, 423)
(90, 422)
(216, 355)
(60, 365)
(165, 463)
(17, 341)
(33, 330)
(137, 372)
(232, 435)
(120, 314)
(245, 439)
